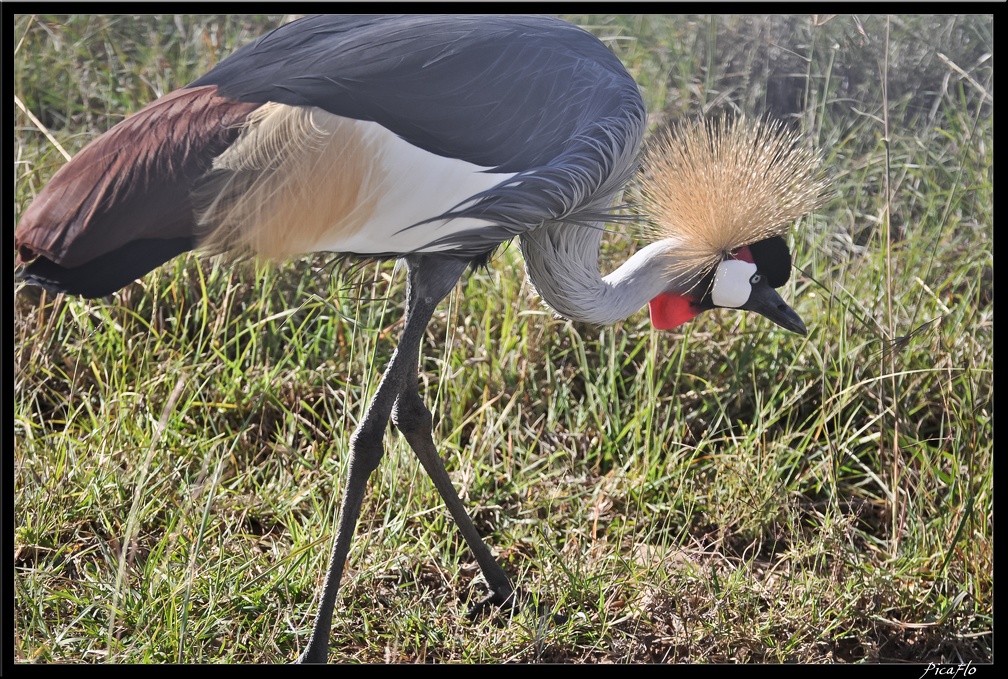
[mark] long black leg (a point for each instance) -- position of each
(431, 278)
(413, 419)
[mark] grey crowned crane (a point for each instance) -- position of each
(434, 140)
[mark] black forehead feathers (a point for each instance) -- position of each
(773, 259)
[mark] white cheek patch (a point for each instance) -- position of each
(731, 287)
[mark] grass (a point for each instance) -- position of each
(721, 493)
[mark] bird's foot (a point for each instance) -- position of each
(512, 601)
(505, 600)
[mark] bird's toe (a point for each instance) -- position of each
(512, 602)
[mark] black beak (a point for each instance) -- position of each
(765, 301)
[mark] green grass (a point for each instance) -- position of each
(725, 492)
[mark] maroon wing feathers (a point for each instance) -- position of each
(133, 182)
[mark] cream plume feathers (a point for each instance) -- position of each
(719, 185)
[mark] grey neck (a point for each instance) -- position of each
(562, 262)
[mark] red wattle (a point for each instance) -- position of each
(669, 311)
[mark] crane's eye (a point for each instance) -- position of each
(756, 278)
